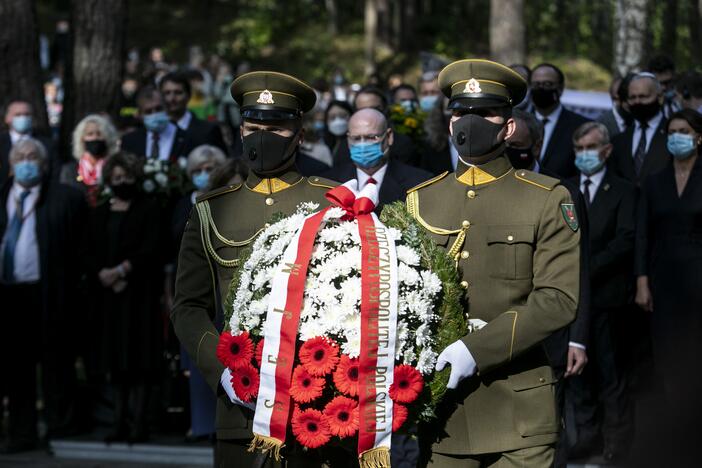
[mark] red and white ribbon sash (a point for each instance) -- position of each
(378, 323)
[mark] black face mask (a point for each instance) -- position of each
(474, 136)
(266, 152)
(544, 98)
(643, 112)
(521, 158)
(97, 148)
(625, 114)
(125, 191)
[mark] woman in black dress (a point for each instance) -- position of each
(127, 274)
(669, 261)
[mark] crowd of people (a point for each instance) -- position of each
(90, 239)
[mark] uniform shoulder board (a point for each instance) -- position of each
(428, 182)
(322, 182)
(538, 180)
(217, 192)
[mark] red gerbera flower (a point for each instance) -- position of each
(342, 416)
(304, 386)
(346, 375)
(319, 355)
(259, 352)
(245, 380)
(310, 428)
(407, 384)
(399, 416)
(234, 350)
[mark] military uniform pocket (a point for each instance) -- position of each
(534, 403)
(510, 250)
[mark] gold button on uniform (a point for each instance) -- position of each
(464, 284)
(466, 224)
(510, 238)
(269, 201)
(471, 194)
(542, 380)
(465, 254)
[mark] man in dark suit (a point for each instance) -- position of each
(41, 223)
(159, 138)
(566, 348)
(547, 84)
(616, 119)
(18, 118)
(175, 89)
(370, 142)
(641, 149)
(611, 207)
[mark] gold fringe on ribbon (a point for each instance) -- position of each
(264, 444)
(378, 457)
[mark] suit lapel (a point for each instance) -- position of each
(552, 143)
(390, 189)
(657, 151)
(626, 161)
(42, 229)
(178, 148)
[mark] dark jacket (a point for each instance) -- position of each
(559, 157)
(135, 143)
(202, 132)
(622, 160)
(436, 161)
(398, 179)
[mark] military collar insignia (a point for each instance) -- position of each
(269, 186)
(476, 176)
(472, 86)
(265, 97)
(485, 173)
(571, 219)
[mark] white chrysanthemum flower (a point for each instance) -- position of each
(334, 212)
(426, 361)
(431, 282)
(407, 255)
(149, 186)
(352, 347)
(395, 234)
(183, 162)
(407, 275)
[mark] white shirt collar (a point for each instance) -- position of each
(652, 123)
(15, 137)
(553, 116)
(165, 141)
(17, 190)
(621, 123)
(595, 182)
(378, 176)
(184, 122)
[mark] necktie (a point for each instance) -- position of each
(155, 149)
(640, 153)
(586, 192)
(371, 181)
(11, 237)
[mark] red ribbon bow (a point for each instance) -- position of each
(354, 206)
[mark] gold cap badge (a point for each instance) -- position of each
(265, 97)
(472, 86)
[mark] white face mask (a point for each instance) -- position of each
(338, 126)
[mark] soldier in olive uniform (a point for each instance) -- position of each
(515, 237)
(226, 220)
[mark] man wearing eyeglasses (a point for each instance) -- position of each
(547, 84)
(370, 139)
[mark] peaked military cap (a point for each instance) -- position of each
(267, 95)
(477, 83)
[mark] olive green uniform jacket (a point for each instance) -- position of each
(515, 238)
(222, 223)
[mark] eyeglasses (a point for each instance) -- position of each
(355, 139)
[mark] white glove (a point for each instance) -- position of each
(462, 363)
(226, 381)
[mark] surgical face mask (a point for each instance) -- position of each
(521, 158)
(427, 103)
(201, 179)
(266, 152)
(681, 146)
(588, 162)
(338, 126)
(22, 123)
(366, 155)
(156, 122)
(475, 136)
(27, 173)
(97, 148)
(408, 105)
(318, 126)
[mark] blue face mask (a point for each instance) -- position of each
(201, 179)
(27, 173)
(156, 122)
(366, 154)
(22, 123)
(588, 162)
(408, 105)
(427, 103)
(681, 146)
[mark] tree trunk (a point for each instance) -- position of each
(94, 74)
(670, 26)
(371, 35)
(332, 17)
(630, 35)
(507, 32)
(21, 77)
(695, 24)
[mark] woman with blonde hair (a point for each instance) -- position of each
(94, 139)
